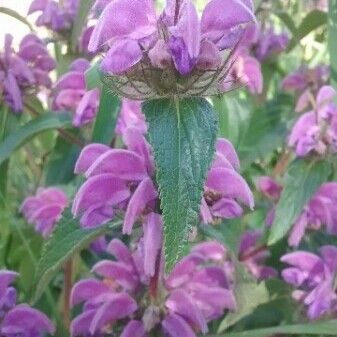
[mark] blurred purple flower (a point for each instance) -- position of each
(19, 319)
(25, 71)
(44, 209)
(270, 44)
(315, 131)
(70, 94)
(314, 277)
(197, 291)
(58, 16)
(253, 255)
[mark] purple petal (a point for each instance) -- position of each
(209, 58)
(6, 278)
(230, 184)
(87, 108)
(27, 319)
(210, 250)
(100, 190)
(88, 156)
(120, 306)
(71, 80)
(123, 55)
(79, 65)
(179, 302)
(121, 252)
(86, 289)
(305, 261)
(138, 22)
(153, 228)
(117, 271)
(13, 91)
(134, 329)
(144, 193)
(120, 163)
(175, 326)
(81, 324)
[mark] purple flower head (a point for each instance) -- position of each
(162, 53)
(224, 187)
(55, 15)
(253, 255)
(19, 319)
(269, 187)
(123, 180)
(24, 71)
(315, 131)
(44, 209)
(125, 300)
(314, 279)
(70, 94)
(270, 44)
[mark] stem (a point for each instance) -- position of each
(68, 277)
(63, 133)
(245, 257)
(282, 164)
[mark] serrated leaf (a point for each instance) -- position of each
(80, 20)
(31, 129)
(327, 328)
(332, 42)
(302, 180)
(106, 119)
(67, 239)
(182, 135)
(312, 21)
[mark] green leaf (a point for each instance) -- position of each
(302, 180)
(249, 295)
(67, 239)
(31, 129)
(333, 41)
(60, 169)
(106, 119)
(93, 77)
(234, 115)
(287, 20)
(311, 22)
(182, 135)
(80, 20)
(17, 16)
(327, 328)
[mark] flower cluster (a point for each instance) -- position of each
(19, 319)
(123, 180)
(44, 209)
(306, 82)
(197, 291)
(69, 94)
(25, 71)
(175, 53)
(314, 276)
(319, 211)
(316, 131)
(57, 16)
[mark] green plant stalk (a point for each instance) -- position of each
(332, 41)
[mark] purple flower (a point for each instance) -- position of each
(270, 44)
(253, 255)
(269, 188)
(19, 319)
(314, 277)
(315, 131)
(57, 16)
(44, 209)
(177, 41)
(197, 291)
(122, 180)
(224, 186)
(70, 94)
(25, 71)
